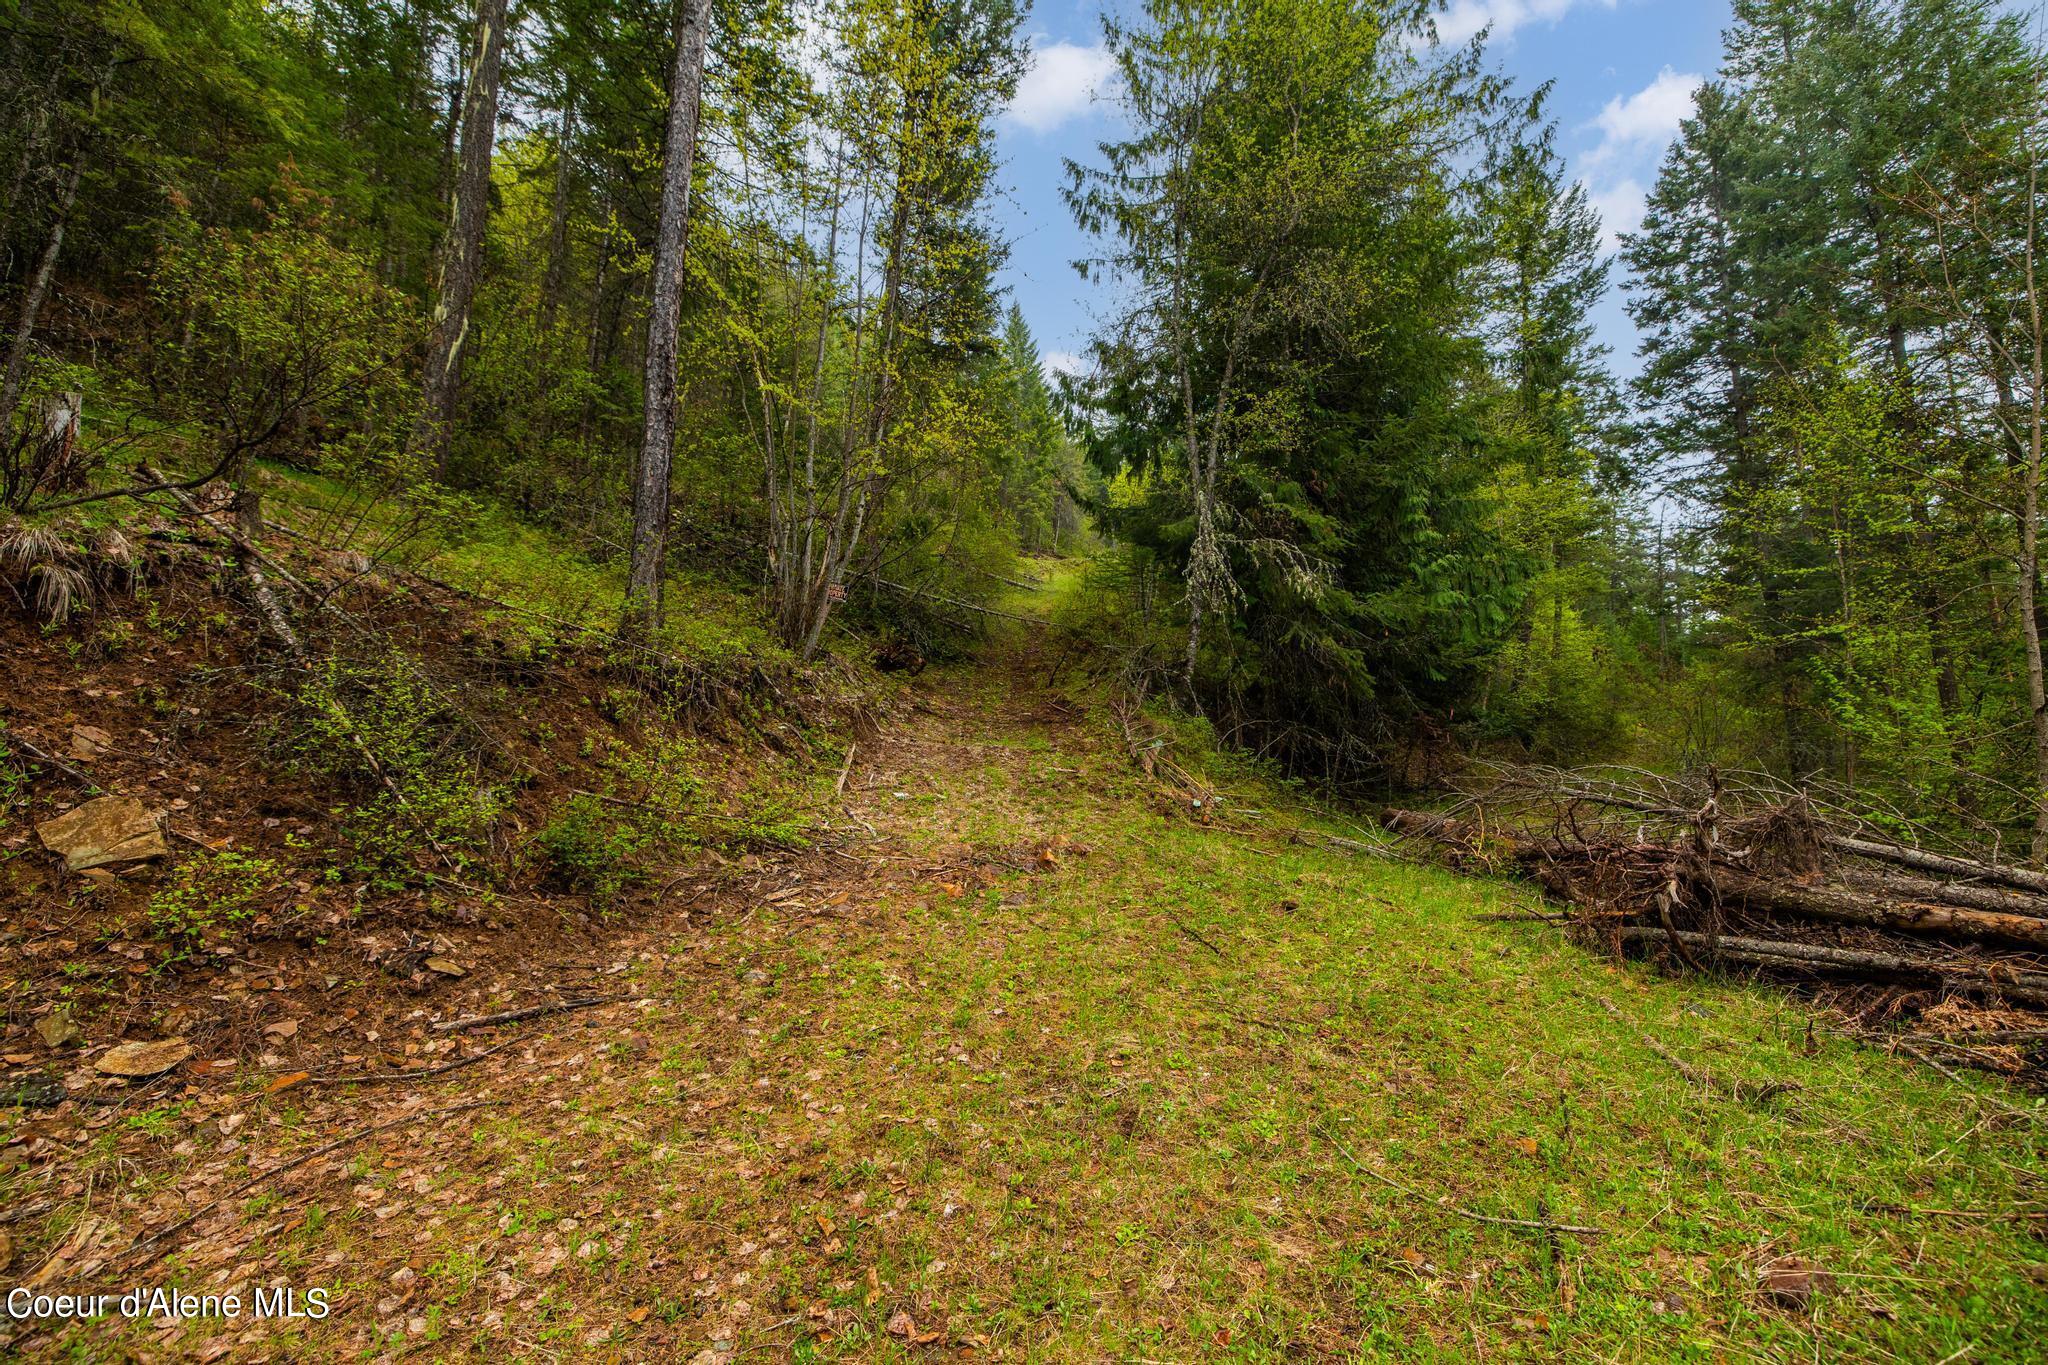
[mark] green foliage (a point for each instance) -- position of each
(590, 847)
(208, 895)
(380, 728)
(1832, 298)
(14, 779)
(1297, 388)
(278, 341)
(653, 801)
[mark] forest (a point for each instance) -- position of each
(547, 510)
(1365, 489)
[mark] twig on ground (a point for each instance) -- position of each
(2012, 1109)
(347, 1139)
(530, 1012)
(1745, 1091)
(42, 755)
(1536, 1224)
(424, 1073)
(1182, 925)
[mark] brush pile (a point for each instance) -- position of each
(1744, 872)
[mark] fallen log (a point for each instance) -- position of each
(1856, 907)
(1927, 891)
(1921, 860)
(1422, 824)
(2024, 987)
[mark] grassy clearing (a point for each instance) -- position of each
(1143, 1141)
(1042, 1072)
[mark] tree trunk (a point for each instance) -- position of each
(32, 300)
(558, 221)
(2029, 988)
(463, 245)
(658, 431)
(2030, 561)
(1853, 907)
(1924, 891)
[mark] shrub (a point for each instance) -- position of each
(213, 892)
(590, 847)
(381, 728)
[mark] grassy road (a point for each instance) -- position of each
(1031, 1065)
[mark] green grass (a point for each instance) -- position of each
(535, 572)
(1177, 1092)
(1149, 1139)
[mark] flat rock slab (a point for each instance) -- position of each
(58, 1029)
(89, 741)
(143, 1059)
(108, 829)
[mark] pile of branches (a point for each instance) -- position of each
(1743, 870)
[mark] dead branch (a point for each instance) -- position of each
(422, 1074)
(1745, 1091)
(1449, 1207)
(155, 1240)
(530, 1012)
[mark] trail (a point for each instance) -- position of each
(1017, 1063)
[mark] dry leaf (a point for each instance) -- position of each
(284, 1028)
(287, 1081)
(638, 1315)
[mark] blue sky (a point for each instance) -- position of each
(1624, 71)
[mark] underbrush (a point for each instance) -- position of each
(210, 897)
(423, 752)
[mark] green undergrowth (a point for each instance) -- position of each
(543, 588)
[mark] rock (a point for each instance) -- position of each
(144, 1059)
(89, 741)
(1789, 1282)
(446, 966)
(108, 829)
(58, 1029)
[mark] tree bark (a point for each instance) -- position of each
(2023, 987)
(462, 247)
(1853, 907)
(1926, 891)
(558, 219)
(2030, 525)
(658, 430)
(1921, 860)
(32, 300)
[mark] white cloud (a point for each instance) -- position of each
(1056, 363)
(1620, 207)
(1062, 81)
(1651, 115)
(1463, 18)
